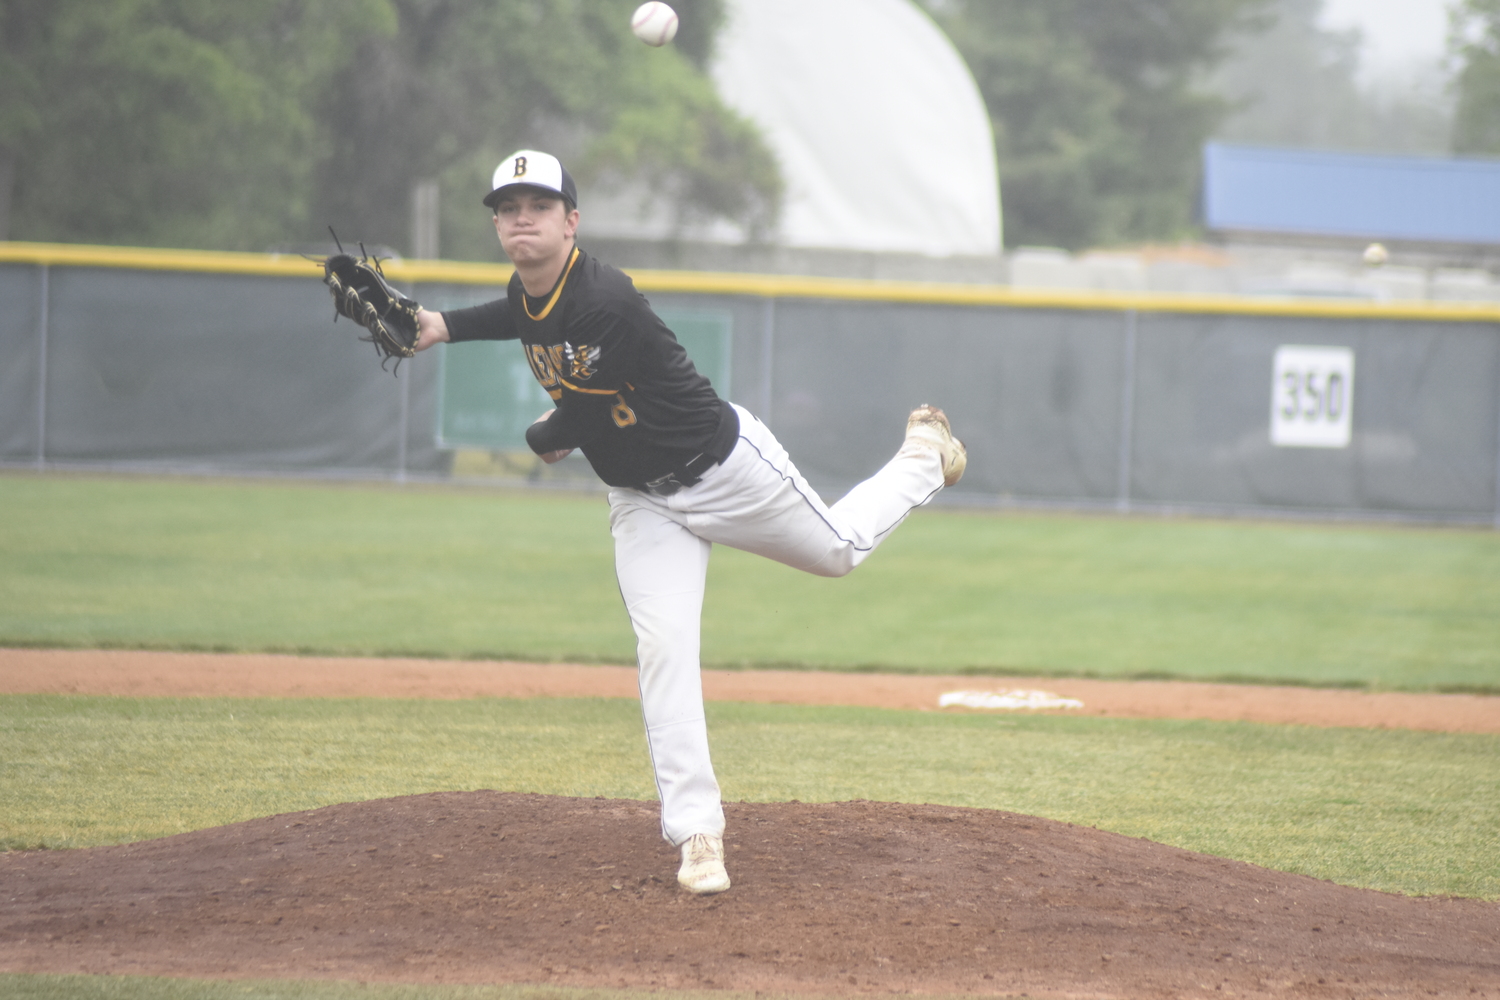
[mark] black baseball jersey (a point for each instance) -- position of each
(627, 395)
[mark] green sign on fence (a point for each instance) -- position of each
(488, 397)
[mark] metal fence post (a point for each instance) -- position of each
(403, 425)
(767, 345)
(43, 322)
(1497, 436)
(1127, 414)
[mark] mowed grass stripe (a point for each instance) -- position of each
(1393, 810)
(183, 564)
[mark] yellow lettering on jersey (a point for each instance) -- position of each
(541, 365)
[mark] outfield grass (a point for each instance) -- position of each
(462, 573)
(1394, 810)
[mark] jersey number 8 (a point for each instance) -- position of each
(623, 415)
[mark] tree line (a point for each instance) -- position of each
(1298, 83)
(255, 124)
(1476, 43)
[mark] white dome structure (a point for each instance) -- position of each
(882, 136)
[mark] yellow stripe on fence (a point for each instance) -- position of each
(764, 285)
(226, 262)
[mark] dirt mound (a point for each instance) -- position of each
(846, 897)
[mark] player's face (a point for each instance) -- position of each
(534, 225)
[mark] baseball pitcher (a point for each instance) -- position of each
(686, 470)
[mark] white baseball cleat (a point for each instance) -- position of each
(930, 425)
(702, 870)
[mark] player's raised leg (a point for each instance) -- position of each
(759, 502)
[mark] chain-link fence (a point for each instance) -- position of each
(1125, 402)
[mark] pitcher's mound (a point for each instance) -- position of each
(844, 897)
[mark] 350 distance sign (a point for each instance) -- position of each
(1312, 397)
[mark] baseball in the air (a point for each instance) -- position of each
(1376, 254)
(654, 23)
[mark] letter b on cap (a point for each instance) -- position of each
(520, 167)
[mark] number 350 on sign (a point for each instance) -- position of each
(1312, 397)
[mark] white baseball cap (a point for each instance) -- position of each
(531, 168)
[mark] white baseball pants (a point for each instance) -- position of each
(755, 500)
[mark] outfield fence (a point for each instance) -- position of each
(130, 359)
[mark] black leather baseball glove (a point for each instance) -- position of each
(361, 293)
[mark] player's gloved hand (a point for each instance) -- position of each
(361, 293)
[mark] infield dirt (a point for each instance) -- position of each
(136, 673)
(848, 897)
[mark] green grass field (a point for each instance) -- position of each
(320, 568)
(466, 573)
